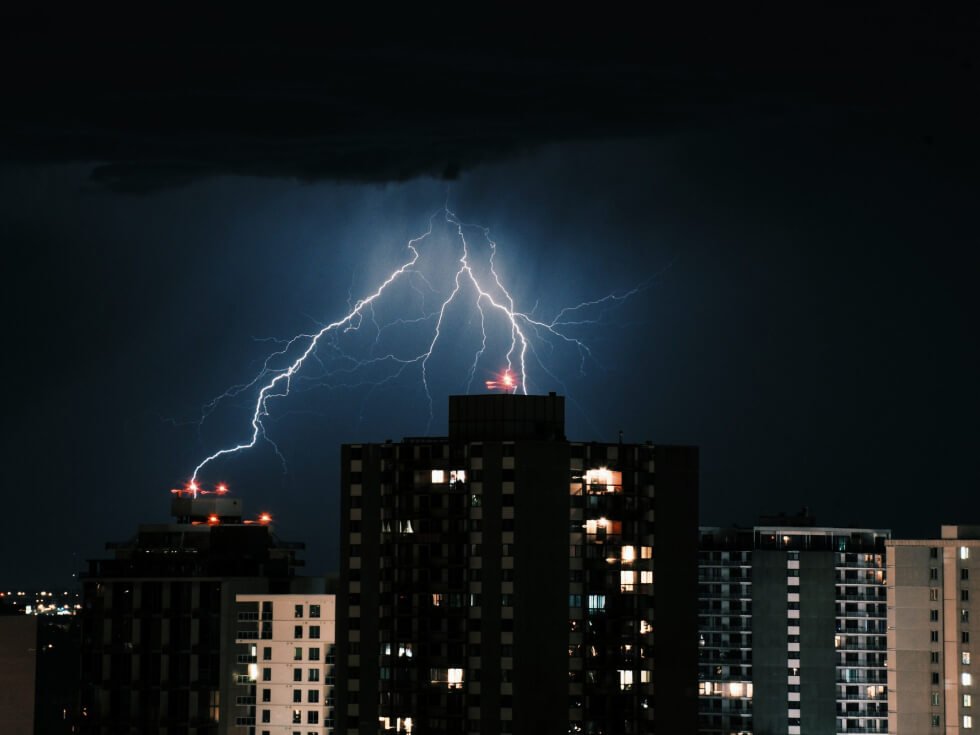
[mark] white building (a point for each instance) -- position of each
(285, 664)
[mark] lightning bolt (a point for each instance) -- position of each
(481, 284)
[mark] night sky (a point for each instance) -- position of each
(796, 195)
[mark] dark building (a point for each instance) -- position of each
(158, 619)
(792, 621)
(505, 580)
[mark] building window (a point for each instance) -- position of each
(312, 717)
(934, 699)
(964, 552)
(967, 722)
(966, 679)
(965, 595)
(297, 654)
(967, 700)
(298, 631)
(297, 695)
(934, 594)
(266, 674)
(297, 717)
(935, 720)
(313, 696)
(935, 677)
(964, 616)
(965, 658)
(933, 616)
(314, 654)
(266, 653)
(933, 636)
(266, 695)
(934, 657)
(314, 631)
(934, 552)
(314, 675)
(314, 611)
(933, 572)
(266, 715)
(298, 611)
(964, 574)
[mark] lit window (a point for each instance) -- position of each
(965, 658)
(455, 680)
(735, 689)
(627, 580)
(645, 627)
(597, 602)
(438, 477)
(967, 700)
(646, 577)
(457, 476)
(604, 480)
(967, 722)
(628, 554)
(646, 552)
(644, 677)
(966, 679)
(934, 699)
(964, 552)
(625, 679)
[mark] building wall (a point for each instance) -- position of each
(817, 628)
(288, 636)
(769, 642)
(932, 634)
(18, 667)
(494, 557)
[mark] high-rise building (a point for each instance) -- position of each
(284, 664)
(158, 619)
(792, 629)
(932, 674)
(502, 579)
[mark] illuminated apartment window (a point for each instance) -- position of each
(455, 680)
(438, 477)
(934, 699)
(626, 581)
(646, 577)
(597, 602)
(646, 552)
(967, 722)
(967, 700)
(645, 627)
(625, 679)
(457, 476)
(604, 480)
(628, 554)
(966, 679)
(934, 594)
(964, 552)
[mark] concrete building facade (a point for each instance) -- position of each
(932, 630)
(158, 619)
(502, 579)
(284, 664)
(792, 630)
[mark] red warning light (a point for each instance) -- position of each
(213, 520)
(265, 518)
(222, 489)
(506, 381)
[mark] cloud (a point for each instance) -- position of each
(161, 102)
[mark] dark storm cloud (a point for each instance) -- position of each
(160, 101)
